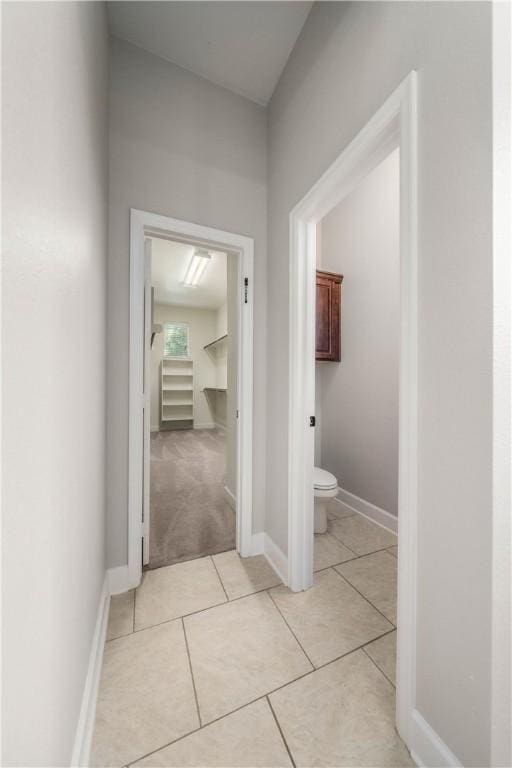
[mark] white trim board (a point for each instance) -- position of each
(144, 224)
(119, 580)
(393, 125)
(85, 727)
(263, 544)
(427, 749)
(367, 509)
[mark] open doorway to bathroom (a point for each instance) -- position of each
(193, 405)
(357, 402)
(362, 529)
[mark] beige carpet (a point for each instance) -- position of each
(189, 514)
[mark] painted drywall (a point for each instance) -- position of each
(347, 61)
(202, 327)
(359, 396)
(182, 147)
(54, 242)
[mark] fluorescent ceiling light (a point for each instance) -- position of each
(198, 263)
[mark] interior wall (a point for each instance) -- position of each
(202, 327)
(348, 59)
(54, 245)
(185, 148)
(360, 240)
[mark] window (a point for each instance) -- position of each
(176, 340)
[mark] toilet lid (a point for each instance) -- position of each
(323, 480)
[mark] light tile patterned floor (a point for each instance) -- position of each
(214, 663)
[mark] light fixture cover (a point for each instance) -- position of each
(196, 268)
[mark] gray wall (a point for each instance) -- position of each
(185, 148)
(348, 59)
(54, 94)
(359, 396)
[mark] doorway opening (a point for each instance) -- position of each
(393, 127)
(193, 402)
(191, 357)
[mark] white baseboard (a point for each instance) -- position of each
(222, 427)
(263, 544)
(85, 727)
(427, 749)
(230, 498)
(258, 543)
(118, 580)
(277, 559)
(375, 514)
(205, 425)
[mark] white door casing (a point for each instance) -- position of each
(142, 225)
(146, 508)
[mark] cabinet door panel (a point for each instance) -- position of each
(328, 308)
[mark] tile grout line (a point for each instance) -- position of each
(219, 578)
(291, 630)
(191, 673)
(376, 665)
(281, 732)
(364, 596)
(258, 698)
(241, 597)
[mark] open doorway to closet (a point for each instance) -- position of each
(191, 360)
(193, 402)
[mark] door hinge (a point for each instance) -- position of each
(246, 289)
(312, 421)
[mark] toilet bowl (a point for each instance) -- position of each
(326, 488)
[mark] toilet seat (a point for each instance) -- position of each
(323, 480)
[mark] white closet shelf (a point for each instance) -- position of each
(178, 373)
(177, 377)
(177, 418)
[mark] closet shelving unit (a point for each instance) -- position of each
(177, 392)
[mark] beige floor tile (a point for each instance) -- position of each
(375, 577)
(248, 738)
(239, 652)
(361, 535)
(120, 619)
(176, 590)
(383, 652)
(336, 511)
(341, 715)
(146, 696)
(243, 576)
(329, 619)
(394, 551)
(329, 551)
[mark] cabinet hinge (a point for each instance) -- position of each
(246, 289)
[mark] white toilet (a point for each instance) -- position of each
(326, 488)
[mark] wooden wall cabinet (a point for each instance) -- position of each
(328, 316)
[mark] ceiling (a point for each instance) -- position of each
(241, 46)
(169, 262)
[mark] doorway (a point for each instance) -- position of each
(169, 400)
(192, 374)
(392, 127)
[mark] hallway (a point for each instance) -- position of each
(214, 663)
